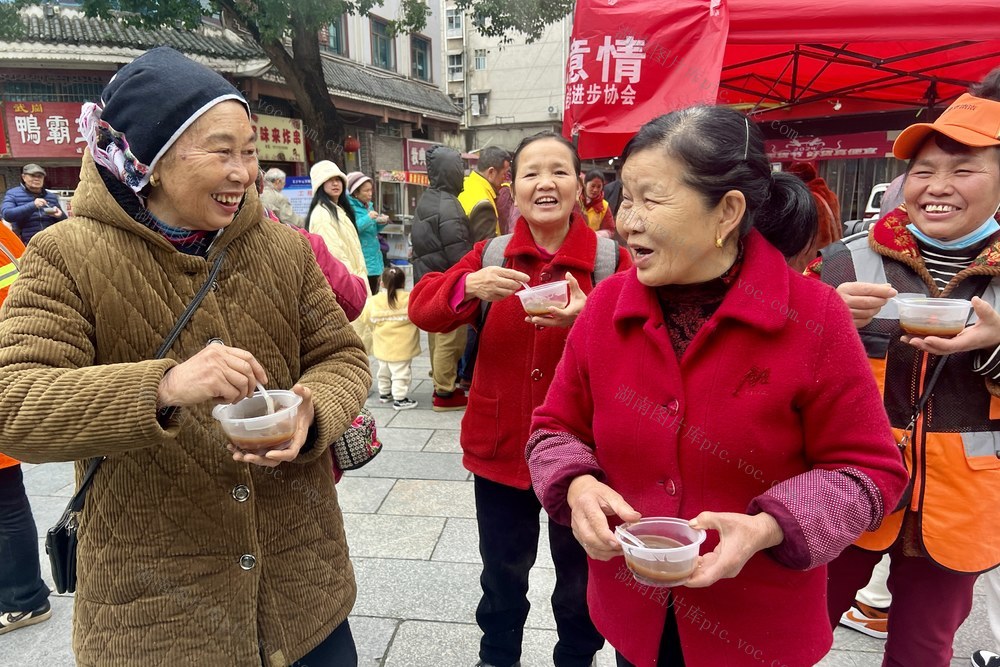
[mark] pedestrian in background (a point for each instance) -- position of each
(359, 193)
(597, 210)
(479, 192)
(29, 207)
(277, 203)
(395, 340)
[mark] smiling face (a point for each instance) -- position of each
(546, 186)
(205, 174)
(950, 195)
(364, 193)
(333, 187)
(668, 226)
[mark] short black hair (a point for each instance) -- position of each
(545, 134)
(492, 157)
(595, 173)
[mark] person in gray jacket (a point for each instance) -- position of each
(440, 237)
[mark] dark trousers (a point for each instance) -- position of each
(467, 364)
(670, 645)
(373, 282)
(337, 650)
(21, 585)
(928, 603)
(509, 527)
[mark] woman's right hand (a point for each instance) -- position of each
(218, 373)
(865, 299)
(493, 283)
(592, 502)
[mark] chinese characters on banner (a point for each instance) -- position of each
(44, 129)
(415, 154)
(279, 139)
(839, 147)
(632, 61)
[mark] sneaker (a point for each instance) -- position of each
(867, 620)
(456, 400)
(384, 398)
(985, 659)
(12, 620)
(405, 404)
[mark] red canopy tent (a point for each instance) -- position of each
(784, 60)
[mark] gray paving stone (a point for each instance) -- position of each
(389, 536)
(48, 478)
(429, 419)
(459, 543)
(404, 439)
(372, 637)
(47, 643)
(430, 498)
(415, 465)
(362, 494)
(426, 644)
(837, 658)
(46, 510)
(384, 416)
(444, 440)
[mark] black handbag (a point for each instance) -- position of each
(61, 540)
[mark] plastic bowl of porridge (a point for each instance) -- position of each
(921, 315)
(251, 429)
(670, 554)
(537, 300)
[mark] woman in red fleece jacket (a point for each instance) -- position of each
(516, 361)
(726, 390)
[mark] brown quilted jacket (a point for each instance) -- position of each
(163, 578)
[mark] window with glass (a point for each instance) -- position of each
(420, 57)
(456, 69)
(480, 59)
(334, 37)
(453, 22)
(383, 46)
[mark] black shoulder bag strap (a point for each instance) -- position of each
(76, 504)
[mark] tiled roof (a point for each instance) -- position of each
(70, 28)
(368, 82)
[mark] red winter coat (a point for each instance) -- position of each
(516, 360)
(774, 386)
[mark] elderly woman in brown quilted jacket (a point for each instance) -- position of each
(191, 552)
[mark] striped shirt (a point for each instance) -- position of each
(943, 265)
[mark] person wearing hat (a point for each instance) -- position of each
(332, 217)
(191, 551)
(944, 241)
(29, 207)
(359, 194)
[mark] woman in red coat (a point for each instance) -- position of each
(516, 361)
(725, 390)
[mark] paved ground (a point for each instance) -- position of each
(409, 517)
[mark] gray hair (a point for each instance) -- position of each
(273, 175)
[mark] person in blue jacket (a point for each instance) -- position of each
(359, 192)
(29, 207)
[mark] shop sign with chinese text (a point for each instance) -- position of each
(839, 147)
(278, 139)
(44, 129)
(415, 154)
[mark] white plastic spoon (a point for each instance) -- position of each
(268, 401)
(632, 539)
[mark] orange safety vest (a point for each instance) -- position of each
(953, 451)
(11, 250)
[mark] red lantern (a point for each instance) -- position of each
(351, 145)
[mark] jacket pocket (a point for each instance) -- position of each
(481, 426)
(981, 448)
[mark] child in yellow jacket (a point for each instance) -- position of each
(395, 340)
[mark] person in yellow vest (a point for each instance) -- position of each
(597, 210)
(479, 192)
(945, 409)
(24, 597)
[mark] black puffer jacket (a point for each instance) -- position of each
(440, 234)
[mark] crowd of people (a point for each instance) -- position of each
(877, 451)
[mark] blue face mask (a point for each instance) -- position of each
(973, 238)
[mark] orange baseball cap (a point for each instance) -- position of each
(969, 120)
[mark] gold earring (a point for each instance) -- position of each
(718, 242)
(154, 180)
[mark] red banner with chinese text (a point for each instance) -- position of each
(44, 129)
(632, 60)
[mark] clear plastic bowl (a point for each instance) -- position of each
(673, 553)
(537, 300)
(250, 428)
(921, 315)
